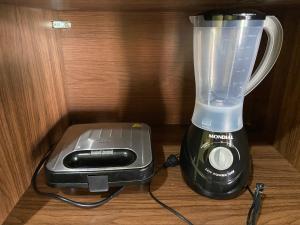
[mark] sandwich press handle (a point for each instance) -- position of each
(274, 32)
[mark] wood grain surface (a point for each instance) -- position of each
(138, 66)
(279, 102)
(166, 5)
(32, 104)
(288, 128)
(131, 66)
(135, 67)
(281, 205)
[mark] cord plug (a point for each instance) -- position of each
(171, 161)
(259, 188)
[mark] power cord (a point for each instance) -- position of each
(254, 210)
(173, 160)
(67, 200)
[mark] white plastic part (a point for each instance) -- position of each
(220, 158)
(224, 57)
(60, 24)
(274, 31)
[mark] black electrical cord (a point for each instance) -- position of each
(171, 161)
(67, 200)
(256, 205)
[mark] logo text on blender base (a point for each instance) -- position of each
(221, 136)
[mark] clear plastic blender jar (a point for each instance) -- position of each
(225, 50)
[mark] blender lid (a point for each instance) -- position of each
(233, 14)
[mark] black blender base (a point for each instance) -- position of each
(233, 193)
(199, 169)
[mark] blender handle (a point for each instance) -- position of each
(274, 31)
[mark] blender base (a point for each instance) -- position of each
(216, 165)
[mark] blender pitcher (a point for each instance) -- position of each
(214, 152)
(225, 49)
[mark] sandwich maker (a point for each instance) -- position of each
(101, 155)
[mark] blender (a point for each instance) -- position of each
(214, 158)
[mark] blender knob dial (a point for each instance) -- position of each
(220, 158)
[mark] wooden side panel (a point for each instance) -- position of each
(288, 129)
(32, 102)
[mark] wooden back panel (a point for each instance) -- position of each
(129, 66)
(32, 102)
(138, 66)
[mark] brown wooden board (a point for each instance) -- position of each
(288, 125)
(32, 102)
(138, 66)
(128, 67)
(281, 205)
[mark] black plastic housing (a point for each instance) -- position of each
(113, 178)
(234, 14)
(201, 176)
(88, 159)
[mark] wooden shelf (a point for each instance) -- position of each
(134, 206)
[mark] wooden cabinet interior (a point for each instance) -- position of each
(134, 205)
(112, 65)
(33, 112)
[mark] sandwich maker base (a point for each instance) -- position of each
(101, 155)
